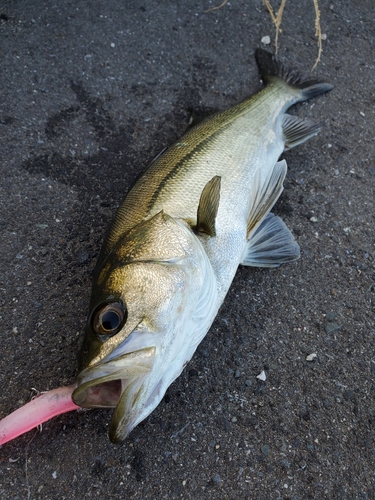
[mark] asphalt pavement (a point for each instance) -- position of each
(90, 92)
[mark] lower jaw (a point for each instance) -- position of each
(127, 411)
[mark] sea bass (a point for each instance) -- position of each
(200, 210)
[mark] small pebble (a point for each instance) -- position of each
(226, 424)
(283, 447)
(265, 450)
(311, 356)
(332, 327)
(262, 376)
(216, 479)
(82, 256)
(266, 40)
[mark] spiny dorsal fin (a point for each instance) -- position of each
(199, 115)
(208, 207)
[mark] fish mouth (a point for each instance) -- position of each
(118, 383)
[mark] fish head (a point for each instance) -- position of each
(149, 302)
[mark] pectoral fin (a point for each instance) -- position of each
(297, 130)
(265, 194)
(208, 207)
(271, 244)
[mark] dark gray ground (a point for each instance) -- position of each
(90, 92)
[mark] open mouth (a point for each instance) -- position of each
(103, 395)
(116, 384)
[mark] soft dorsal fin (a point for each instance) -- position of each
(208, 207)
(271, 245)
(298, 130)
(266, 192)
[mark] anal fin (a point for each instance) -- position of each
(266, 192)
(271, 245)
(297, 130)
(208, 207)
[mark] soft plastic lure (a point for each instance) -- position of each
(37, 411)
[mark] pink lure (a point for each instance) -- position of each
(40, 409)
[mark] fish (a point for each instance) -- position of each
(200, 210)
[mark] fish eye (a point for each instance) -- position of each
(109, 318)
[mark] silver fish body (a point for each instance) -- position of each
(201, 209)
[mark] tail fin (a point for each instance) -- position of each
(271, 68)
